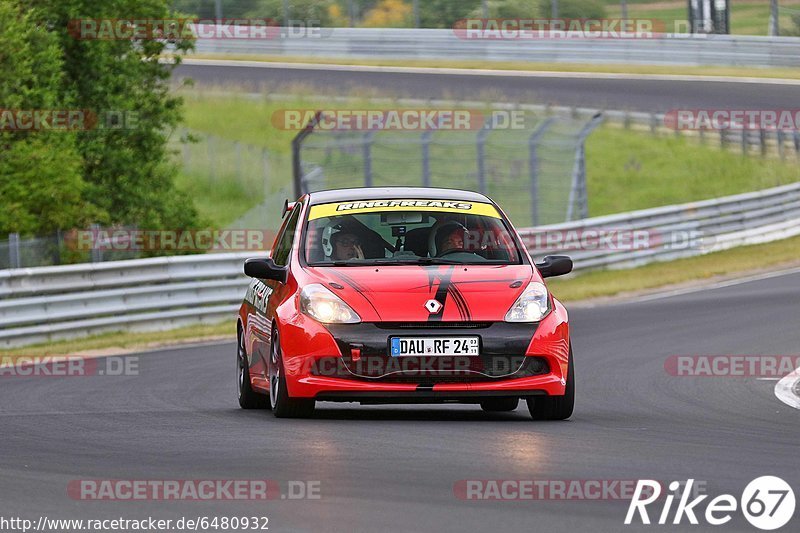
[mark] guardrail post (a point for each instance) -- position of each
(533, 166)
(426, 158)
(577, 192)
(367, 150)
(781, 138)
(722, 138)
(745, 140)
(14, 260)
(796, 135)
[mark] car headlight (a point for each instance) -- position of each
(321, 304)
(531, 306)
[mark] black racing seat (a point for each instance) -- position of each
(417, 241)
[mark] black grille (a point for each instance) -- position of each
(432, 325)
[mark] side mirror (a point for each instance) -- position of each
(265, 268)
(554, 265)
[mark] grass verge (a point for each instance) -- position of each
(626, 169)
(122, 341)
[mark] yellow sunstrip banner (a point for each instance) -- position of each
(381, 206)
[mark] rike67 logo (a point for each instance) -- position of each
(767, 502)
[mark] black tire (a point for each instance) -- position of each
(499, 405)
(284, 406)
(555, 407)
(248, 398)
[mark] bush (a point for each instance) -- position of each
(574, 9)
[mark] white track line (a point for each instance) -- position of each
(711, 286)
(785, 389)
(485, 72)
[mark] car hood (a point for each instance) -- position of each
(400, 293)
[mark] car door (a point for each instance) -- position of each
(268, 294)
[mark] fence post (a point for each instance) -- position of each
(211, 157)
(745, 140)
(426, 158)
(59, 244)
(722, 138)
(577, 192)
(796, 136)
(367, 150)
(14, 259)
(781, 138)
(96, 252)
(480, 144)
(237, 148)
(265, 169)
(187, 156)
(533, 167)
(762, 139)
(297, 164)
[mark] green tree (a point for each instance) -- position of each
(126, 171)
(304, 10)
(40, 172)
(574, 9)
(445, 13)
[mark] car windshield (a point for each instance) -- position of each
(401, 232)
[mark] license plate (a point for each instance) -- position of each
(433, 346)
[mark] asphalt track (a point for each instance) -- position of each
(651, 95)
(393, 468)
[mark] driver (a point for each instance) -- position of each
(341, 244)
(450, 237)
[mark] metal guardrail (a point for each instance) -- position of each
(398, 43)
(672, 232)
(47, 303)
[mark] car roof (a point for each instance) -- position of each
(382, 193)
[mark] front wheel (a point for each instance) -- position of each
(283, 406)
(556, 407)
(248, 398)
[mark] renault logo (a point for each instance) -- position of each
(433, 306)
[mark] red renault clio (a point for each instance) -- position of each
(402, 295)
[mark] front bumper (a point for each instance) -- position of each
(352, 362)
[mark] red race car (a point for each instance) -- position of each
(402, 295)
